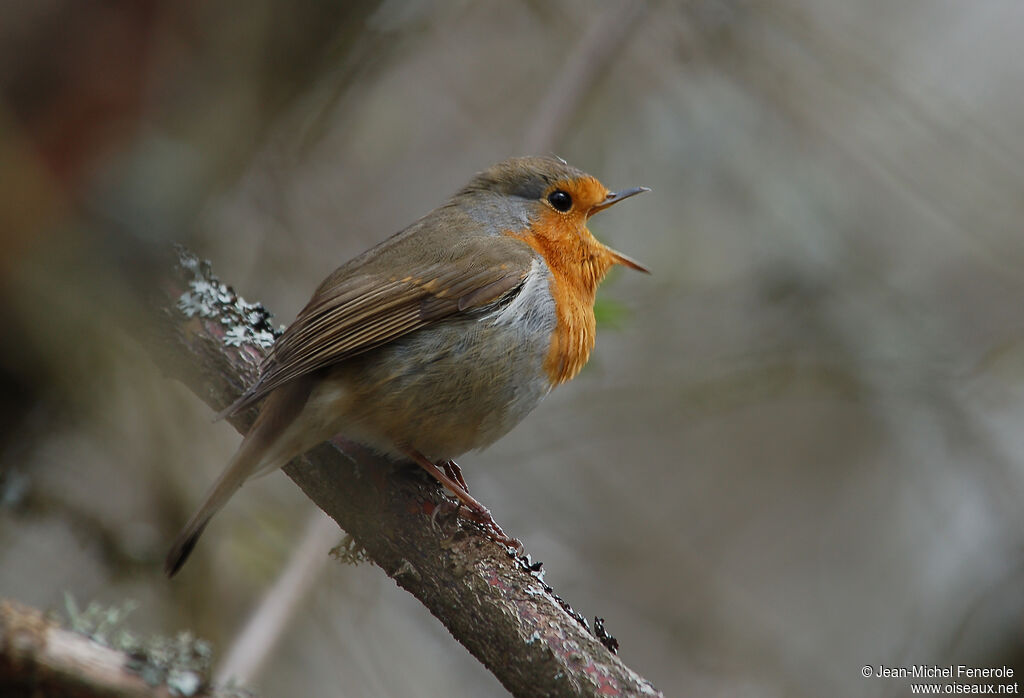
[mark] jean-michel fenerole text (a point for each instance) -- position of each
(933, 671)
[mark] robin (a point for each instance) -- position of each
(438, 340)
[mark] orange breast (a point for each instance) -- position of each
(577, 262)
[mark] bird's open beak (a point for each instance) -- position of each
(613, 198)
(627, 261)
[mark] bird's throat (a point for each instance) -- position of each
(577, 266)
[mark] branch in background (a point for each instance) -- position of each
(496, 605)
(39, 658)
(588, 61)
(254, 643)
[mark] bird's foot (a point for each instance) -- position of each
(472, 510)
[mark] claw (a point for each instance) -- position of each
(452, 470)
(445, 509)
(452, 479)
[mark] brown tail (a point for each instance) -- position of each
(258, 453)
(245, 463)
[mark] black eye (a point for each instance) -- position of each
(560, 200)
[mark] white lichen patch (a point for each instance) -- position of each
(184, 683)
(236, 336)
(247, 323)
(179, 662)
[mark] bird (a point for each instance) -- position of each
(440, 339)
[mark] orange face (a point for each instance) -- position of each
(568, 205)
(578, 262)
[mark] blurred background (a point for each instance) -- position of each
(797, 448)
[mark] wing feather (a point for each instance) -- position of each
(356, 310)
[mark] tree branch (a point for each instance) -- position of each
(492, 602)
(39, 658)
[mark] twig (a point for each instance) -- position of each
(265, 626)
(588, 61)
(496, 605)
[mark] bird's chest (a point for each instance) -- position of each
(571, 274)
(464, 382)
